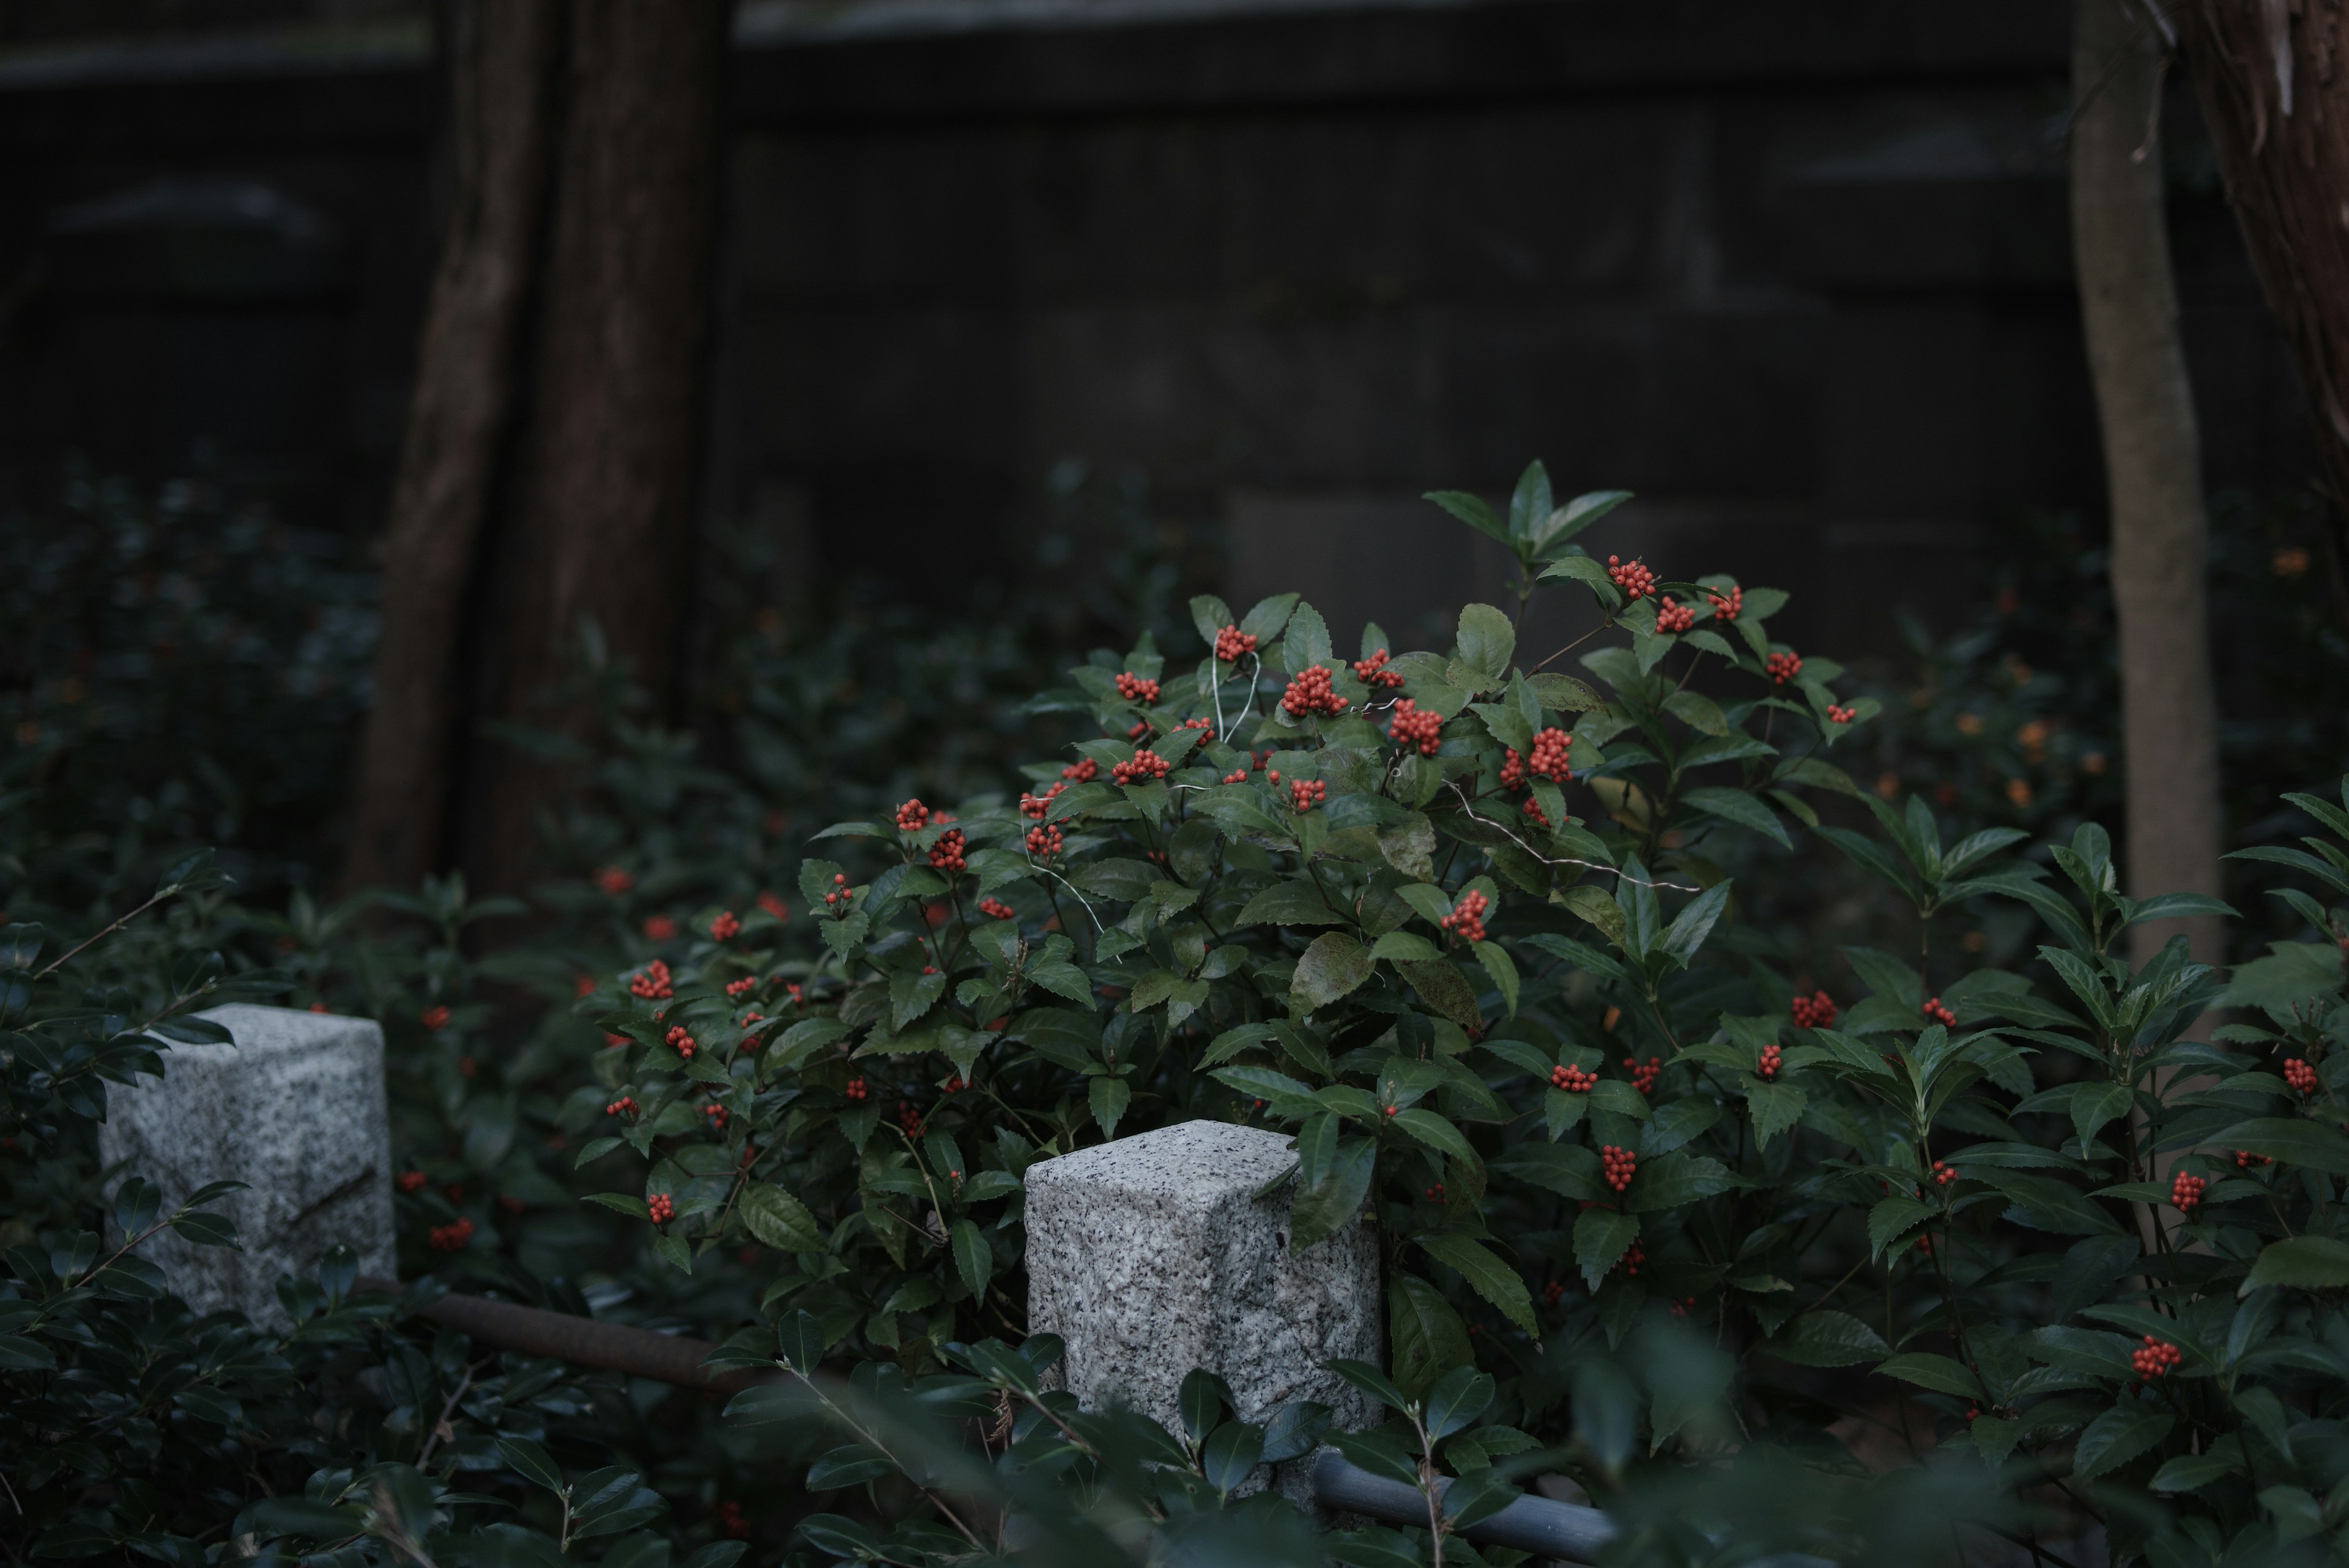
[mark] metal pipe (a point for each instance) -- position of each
(1565, 1530)
(583, 1341)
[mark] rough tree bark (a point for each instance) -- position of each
(2269, 74)
(604, 505)
(500, 61)
(2152, 466)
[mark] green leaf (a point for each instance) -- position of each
(531, 1462)
(1496, 963)
(1320, 1209)
(1531, 505)
(1428, 1337)
(779, 1220)
(1472, 510)
(2191, 1473)
(1827, 1338)
(1108, 1098)
(974, 1261)
(1676, 1178)
(1594, 905)
(1332, 966)
(1735, 805)
(1577, 515)
(1601, 1237)
(1939, 1372)
(2118, 1436)
(2293, 1141)
(1774, 1107)
(1289, 904)
(1434, 1132)
(1442, 987)
(2303, 1262)
(1486, 641)
(1486, 1274)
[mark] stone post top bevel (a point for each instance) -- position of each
(1194, 1161)
(266, 1030)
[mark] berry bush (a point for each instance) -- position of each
(2013, 1250)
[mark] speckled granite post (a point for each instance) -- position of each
(295, 1109)
(1151, 1255)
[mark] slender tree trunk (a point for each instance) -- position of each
(2152, 466)
(2269, 74)
(500, 60)
(602, 530)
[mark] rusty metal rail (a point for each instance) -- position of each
(584, 1341)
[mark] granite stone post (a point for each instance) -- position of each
(1151, 1255)
(296, 1109)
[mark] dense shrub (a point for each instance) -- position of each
(1656, 1215)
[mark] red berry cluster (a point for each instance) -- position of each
(1467, 917)
(659, 928)
(1572, 1079)
(1035, 805)
(663, 1207)
(2154, 1358)
(1232, 644)
(1817, 1011)
(1772, 1060)
(725, 926)
(909, 1115)
(625, 1105)
(717, 1115)
(1548, 761)
(1309, 692)
(435, 1018)
(2185, 1193)
(413, 1180)
(652, 982)
(856, 1089)
(750, 1040)
(731, 1522)
(1304, 795)
(614, 880)
(612, 1042)
(452, 1238)
(1644, 1078)
(1044, 842)
(739, 989)
(1682, 1307)
(798, 996)
(945, 855)
(1513, 768)
(1727, 608)
(2300, 1074)
(1944, 1173)
(1783, 666)
(1620, 1165)
(1636, 581)
(1633, 1256)
(1671, 618)
(1435, 1193)
(682, 1041)
(1141, 727)
(2247, 1159)
(913, 817)
(1135, 689)
(1239, 774)
(1145, 764)
(774, 906)
(1934, 1013)
(1534, 813)
(1416, 726)
(997, 909)
(1373, 671)
(1838, 714)
(1207, 724)
(1551, 1292)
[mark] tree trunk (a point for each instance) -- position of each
(603, 528)
(500, 60)
(2268, 75)
(2153, 465)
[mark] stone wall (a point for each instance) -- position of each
(1794, 270)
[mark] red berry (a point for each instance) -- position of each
(1727, 608)
(1636, 581)
(1838, 715)
(435, 1018)
(947, 854)
(1135, 689)
(725, 926)
(662, 1207)
(1783, 666)
(652, 982)
(1309, 692)
(1373, 671)
(614, 880)
(1035, 805)
(1772, 1059)
(1934, 1013)
(1573, 1080)
(1817, 1011)
(1618, 1165)
(997, 909)
(1232, 644)
(1145, 764)
(1082, 772)
(1044, 842)
(2300, 1074)
(413, 1180)
(2186, 1191)
(1466, 919)
(452, 1238)
(1304, 795)
(1671, 618)
(681, 1041)
(659, 928)
(1416, 726)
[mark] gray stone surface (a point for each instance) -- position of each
(1151, 1255)
(295, 1108)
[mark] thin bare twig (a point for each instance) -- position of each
(1454, 785)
